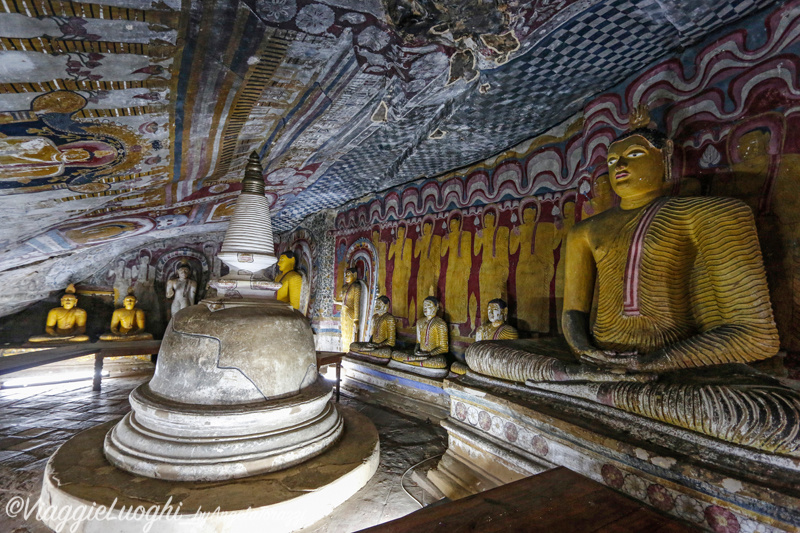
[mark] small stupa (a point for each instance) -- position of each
(236, 395)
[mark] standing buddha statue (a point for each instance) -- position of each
(351, 308)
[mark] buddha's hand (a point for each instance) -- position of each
(611, 360)
(422, 354)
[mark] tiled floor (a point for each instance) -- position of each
(34, 421)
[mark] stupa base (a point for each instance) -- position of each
(102, 498)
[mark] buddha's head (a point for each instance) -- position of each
(68, 301)
(430, 306)
(427, 227)
(183, 272)
(382, 305)
(286, 262)
(455, 224)
(637, 162)
(497, 311)
(529, 214)
(753, 144)
(376, 234)
(129, 302)
(350, 275)
(489, 218)
(401, 232)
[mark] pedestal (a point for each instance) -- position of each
(412, 394)
(103, 498)
(693, 477)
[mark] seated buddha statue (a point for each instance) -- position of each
(290, 279)
(127, 323)
(429, 357)
(664, 299)
(66, 323)
(495, 329)
(384, 330)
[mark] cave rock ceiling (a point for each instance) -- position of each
(127, 121)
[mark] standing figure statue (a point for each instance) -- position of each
(672, 288)
(349, 320)
(429, 357)
(66, 323)
(127, 323)
(384, 331)
(181, 289)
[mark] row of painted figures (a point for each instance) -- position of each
(68, 322)
(665, 304)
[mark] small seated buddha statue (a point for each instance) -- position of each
(429, 357)
(351, 308)
(495, 329)
(290, 279)
(66, 323)
(384, 330)
(127, 323)
(664, 299)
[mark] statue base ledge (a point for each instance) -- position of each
(79, 477)
(417, 396)
(501, 431)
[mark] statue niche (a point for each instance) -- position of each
(664, 299)
(429, 357)
(66, 323)
(384, 331)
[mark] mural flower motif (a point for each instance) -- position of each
(635, 486)
(721, 520)
(689, 508)
(511, 432)
(373, 39)
(660, 497)
(612, 476)
(539, 445)
(315, 19)
(277, 10)
(484, 420)
(461, 411)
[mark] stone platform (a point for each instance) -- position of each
(499, 432)
(78, 476)
(412, 394)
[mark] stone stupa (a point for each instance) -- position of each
(236, 416)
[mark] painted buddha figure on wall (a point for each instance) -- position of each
(429, 357)
(66, 323)
(127, 323)
(656, 288)
(384, 332)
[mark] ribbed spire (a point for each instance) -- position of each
(253, 182)
(248, 243)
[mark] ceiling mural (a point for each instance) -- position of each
(124, 121)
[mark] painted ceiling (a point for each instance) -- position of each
(127, 121)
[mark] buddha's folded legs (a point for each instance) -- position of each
(431, 366)
(364, 350)
(761, 416)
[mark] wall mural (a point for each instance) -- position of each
(497, 228)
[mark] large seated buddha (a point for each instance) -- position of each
(664, 300)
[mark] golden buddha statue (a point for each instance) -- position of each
(66, 323)
(493, 330)
(290, 279)
(429, 357)
(655, 289)
(384, 331)
(496, 328)
(351, 308)
(127, 323)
